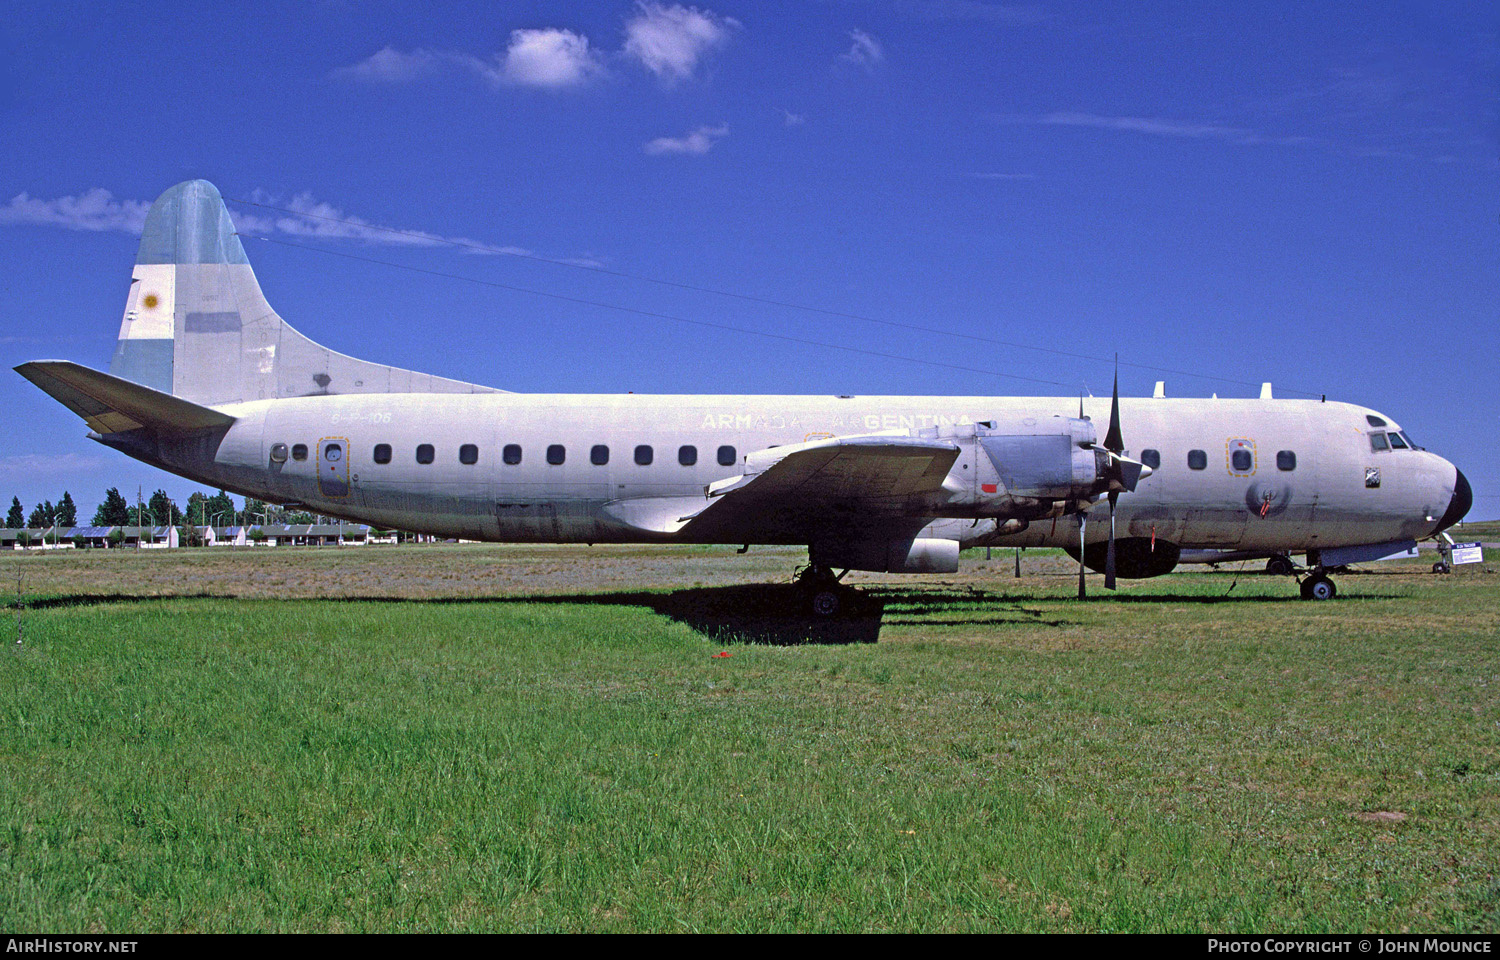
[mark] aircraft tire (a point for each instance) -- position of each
(825, 602)
(1319, 588)
(1441, 567)
(1280, 567)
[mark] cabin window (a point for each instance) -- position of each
(1151, 458)
(299, 451)
(333, 453)
(687, 455)
(468, 453)
(425, 453)
(1286, 460)
(1378, 442)
(1242, 460)
(1197, 460)
(556, 454)
(278, 453)
(1373, 420)
(643, 455)
(727, 456)
(382, 453)
(1396, 442)
(511, 454)
(599, 455)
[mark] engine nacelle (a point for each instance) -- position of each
(1028, 468)
(1136, 558)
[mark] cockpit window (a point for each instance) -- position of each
(1409, 443)
(1396, 442)
(1374, 421)
(1378, 441)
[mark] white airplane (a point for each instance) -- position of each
(209, 383)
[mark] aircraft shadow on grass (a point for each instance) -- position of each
(774, 614)
(777, 614)
(748, 613)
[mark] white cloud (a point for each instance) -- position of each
(301, 216)
(46, 465)
(866, 51)
(392, 66)
(793, 119)
(305, 216)
(95, 209)
(672, 41)
(535, 58)
(1167, 128)
(550, 58)
(698, 141)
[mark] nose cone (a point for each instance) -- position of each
(1463, 499)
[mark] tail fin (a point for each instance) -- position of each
(197, 326)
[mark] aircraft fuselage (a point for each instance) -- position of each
(1302, 479)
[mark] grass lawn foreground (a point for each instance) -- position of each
(436, 738)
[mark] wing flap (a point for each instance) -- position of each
(798, 490)
(112, 405)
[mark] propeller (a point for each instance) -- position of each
(1114, 442)
(1121, 475)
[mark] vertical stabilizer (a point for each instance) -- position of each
(197, 326)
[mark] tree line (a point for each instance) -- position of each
(63, 513)
(201, 510)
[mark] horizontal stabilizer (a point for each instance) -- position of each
(112, 405)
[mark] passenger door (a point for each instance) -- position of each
(333, 467)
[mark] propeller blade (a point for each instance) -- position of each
(1109, 557)
(1114, 441)
(1082, 521)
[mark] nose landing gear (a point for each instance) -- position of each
(1445, 559)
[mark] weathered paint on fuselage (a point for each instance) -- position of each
(1325, 501)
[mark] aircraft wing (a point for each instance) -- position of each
(840, 487)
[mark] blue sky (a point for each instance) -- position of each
(1300, 193)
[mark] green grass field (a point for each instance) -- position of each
(532, 738)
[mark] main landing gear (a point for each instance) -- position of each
(1281, 566)
(824, 596)
(1317, 586)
